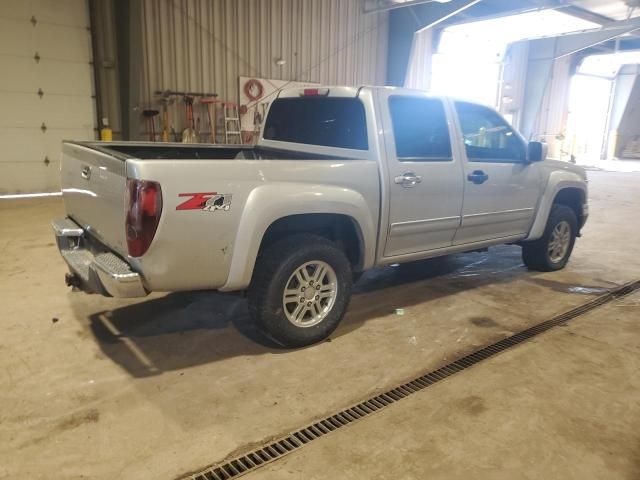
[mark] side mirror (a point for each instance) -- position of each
(537, 151)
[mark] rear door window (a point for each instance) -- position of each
(326, 121)
(420, 129)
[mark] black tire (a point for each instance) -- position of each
(536, 255)
(273, 271)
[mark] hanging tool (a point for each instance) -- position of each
(166, 100)
(210, 103)
(189, 134)
(183, 94)
(165, 123)
(150, 115)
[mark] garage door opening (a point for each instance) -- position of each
(603, 121)
(589, 102)
(469, 57)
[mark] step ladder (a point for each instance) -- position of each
(232, 134)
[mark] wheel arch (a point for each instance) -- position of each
(571, 192)
(274, 211)
(574, 198)
(341, 229)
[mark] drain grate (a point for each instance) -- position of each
(279, 448)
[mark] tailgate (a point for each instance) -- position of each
(93, 189)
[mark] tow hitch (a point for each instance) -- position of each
(72, 280)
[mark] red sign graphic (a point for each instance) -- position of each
(196, 202)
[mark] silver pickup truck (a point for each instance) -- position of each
(343, 179)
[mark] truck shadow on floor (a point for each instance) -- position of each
(182, 330)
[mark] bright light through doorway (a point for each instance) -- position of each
(588, 110)
(590, 105)
(469, 56)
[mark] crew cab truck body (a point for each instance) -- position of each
(341, 180)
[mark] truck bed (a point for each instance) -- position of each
(252, 176)
(94, 176)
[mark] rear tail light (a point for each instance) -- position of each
(144, 206)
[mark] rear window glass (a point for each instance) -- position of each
(331, 122)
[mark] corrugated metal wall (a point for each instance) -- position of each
(551, 123)
(205, 45)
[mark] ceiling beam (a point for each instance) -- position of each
(547, 5)
(456, 8)
(375, 6)
(565, 6)
(572, 42)
(587, 15)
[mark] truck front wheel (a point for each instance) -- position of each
(552, 251)
(300, 289)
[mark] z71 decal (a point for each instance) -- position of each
(207, 201)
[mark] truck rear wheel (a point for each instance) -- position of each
(300, 290)
(552, 251)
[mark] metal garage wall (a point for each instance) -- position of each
(205, 45)
(540, 93)
(513, 82)
(45, 46)
(625, 81)
(419, 69)
(551, 121)
(628, 138)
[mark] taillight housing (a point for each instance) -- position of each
(144, 207)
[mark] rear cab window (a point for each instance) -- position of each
(338, 122)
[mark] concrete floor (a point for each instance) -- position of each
(563, 406)
(103, 388)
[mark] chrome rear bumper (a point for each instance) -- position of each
(95, 270)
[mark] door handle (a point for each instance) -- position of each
(86, 172)
(477, 177)
(408, 179)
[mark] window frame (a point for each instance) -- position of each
(509, 127)
(422, 159)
